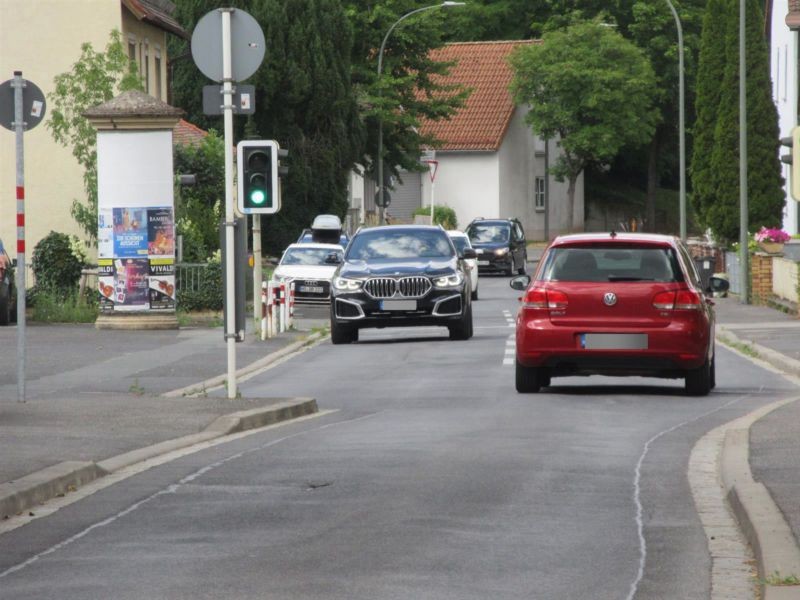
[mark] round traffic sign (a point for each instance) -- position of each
(33, 105)
(247, 45)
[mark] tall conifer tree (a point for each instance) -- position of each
(764, 181)
(710, 72)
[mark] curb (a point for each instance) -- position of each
(219, 380)
(36, 488)
(776, 359)
(760, 519)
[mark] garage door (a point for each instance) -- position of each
(406, 197)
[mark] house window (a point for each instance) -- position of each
(539, 194)
(146, 61)
(132, 51)
(158, 73)
(538, 145)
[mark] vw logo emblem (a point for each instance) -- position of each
(609, 298)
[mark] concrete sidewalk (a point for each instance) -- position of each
(759, 463)
(98, 400)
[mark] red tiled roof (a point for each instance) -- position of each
(482, 122)
(158, 13)
(187, 134)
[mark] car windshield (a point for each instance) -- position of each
(460, 242)
(599, 263)
(488, 234)
(399, 244)
(308, 256)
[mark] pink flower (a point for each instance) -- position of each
(772, 235)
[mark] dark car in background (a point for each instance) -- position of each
(400, 276)
(618, 305)
(500, 245)
(8, 291)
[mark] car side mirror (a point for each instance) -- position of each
(520, 282)
(718, 284)
(333, 259)
(470, 253)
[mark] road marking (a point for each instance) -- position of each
(637, 491)
(174, 487)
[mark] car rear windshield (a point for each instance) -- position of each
(308, 256)
(597, 263)
(402, 244)
(489, 234)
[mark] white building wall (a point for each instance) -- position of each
(783, 64)
(518, 171)
(467, 182)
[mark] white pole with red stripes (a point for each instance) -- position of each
(290, 322)
(264, 290)
(18, 85)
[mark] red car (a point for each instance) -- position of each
(616, 304)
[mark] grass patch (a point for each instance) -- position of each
(200, 318)
(50, 309)
(742, 347)
(776, 578)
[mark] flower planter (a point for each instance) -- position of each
(771, 247)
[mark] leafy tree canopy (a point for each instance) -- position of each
(95, 78)
(590, 88)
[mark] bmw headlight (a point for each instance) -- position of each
(347, 285)
(501, 251)
(449, 280)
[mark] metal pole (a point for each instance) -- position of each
(19, 124)
(380, 120)
(433, 188)
(744, 257)
(681, 122)
(230, 286)
(546, 190)
(257, 274)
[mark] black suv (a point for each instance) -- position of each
(500, 244)
(400, 276)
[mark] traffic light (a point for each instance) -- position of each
(793, 159)
(257, 172)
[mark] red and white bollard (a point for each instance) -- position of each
(282, 300)
(291, 305)
(264, 289)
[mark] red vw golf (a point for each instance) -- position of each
(616, 304)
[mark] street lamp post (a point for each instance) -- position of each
(681, 123)
(380, 120)
(744, 256)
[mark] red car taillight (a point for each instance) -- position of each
(677, 300)
(541, 298)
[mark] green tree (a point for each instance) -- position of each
(95, 78)
(200, 208)
(764, 181)
(305, 101)
(710, 72)
(590, 88)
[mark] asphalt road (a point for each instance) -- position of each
(430, 478)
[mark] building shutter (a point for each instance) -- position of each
(406, 197)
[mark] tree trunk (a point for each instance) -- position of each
(571, 203)
(652, 184)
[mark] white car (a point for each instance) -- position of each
(461, 241)
(310, 267)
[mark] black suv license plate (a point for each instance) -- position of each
(398, 305)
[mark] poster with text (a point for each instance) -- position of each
(105, 233)
(162, 284)
(130, 232)
(131, 282)
(105, 284)
(160, 232)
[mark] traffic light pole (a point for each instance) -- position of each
(230, 288)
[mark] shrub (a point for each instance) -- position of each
(442, 215)
(56, 267)
(53, 308)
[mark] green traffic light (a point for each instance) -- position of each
(257, 197)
